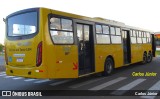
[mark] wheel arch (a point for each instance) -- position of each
(110, 56)
(145, 52)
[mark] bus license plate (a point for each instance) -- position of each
(19, 59)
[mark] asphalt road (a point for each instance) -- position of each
(121, 82)
(1, 60)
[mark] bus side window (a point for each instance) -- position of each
(139, 39)
(144, 37)
(113, 32)
(131, 32)
(98, 29)
(105, 29)
(66, 24)
(134, 33)
(55, 23)
(102, 38)
(118, 31)
(133, 37)
(116, 35)
(61, 30)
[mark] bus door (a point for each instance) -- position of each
(85, 48)
(153, 45)
(126, 46)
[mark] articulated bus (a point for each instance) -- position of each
(45, 43)
(157, 40)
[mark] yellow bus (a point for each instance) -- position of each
(45, 43)
(157, 40)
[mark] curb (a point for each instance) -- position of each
(2, 68)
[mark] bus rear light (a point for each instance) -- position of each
(38, 71)
(6, 57)
(39, 54)
(59, 61)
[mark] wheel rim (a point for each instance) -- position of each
(144, 58)
(149, 57)
(109, 67)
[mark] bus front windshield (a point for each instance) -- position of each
(158, 42)
(22, 24)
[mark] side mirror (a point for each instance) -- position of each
(4, 20)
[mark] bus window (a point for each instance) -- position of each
(116, 39)
(102, 38)
(131, 32)
(66, 24)
(105, 29)
(86, 33)
(144, 34)
(137, 33)
(118, 31)
(144, 37)
(158, 41)
(113, 32)
(134, 33)
(140, 34)
(62, 35)
(148, 37)
(133, 40)
(79, 32)
(22, 24)
(98, 29)
(139, 40)
(133, 37)
(55, 23)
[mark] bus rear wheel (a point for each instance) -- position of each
(149, 57)
(108, 68)
(144, 58)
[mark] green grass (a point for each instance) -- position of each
(1, 54)
(157, 53)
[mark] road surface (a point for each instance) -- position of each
(124, 81)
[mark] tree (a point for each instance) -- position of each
(1, 47)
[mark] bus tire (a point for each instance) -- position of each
(149, 57)
(144, 58)
(108, 66)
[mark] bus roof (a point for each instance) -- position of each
(94, 19)
(98, 20)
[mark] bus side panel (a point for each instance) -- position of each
(147, 47)
(140, 52)
(61, 61)
(100, 55)
(66, 61)
(103, 51)
(117, 55)
(47, 43)
(134, 55)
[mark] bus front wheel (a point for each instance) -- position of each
(108, 68)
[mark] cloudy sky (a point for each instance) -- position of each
(138, 13)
